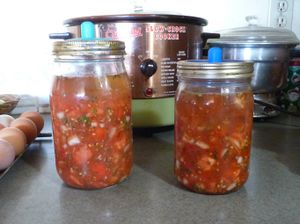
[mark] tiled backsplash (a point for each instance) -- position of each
(32, 103)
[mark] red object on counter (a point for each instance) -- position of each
(295, 62)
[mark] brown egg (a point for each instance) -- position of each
(36, 118)
(15, 137)
(27, 126)
(7, 154)
(2, 126)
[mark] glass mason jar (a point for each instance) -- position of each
(213, 125)
(90, 106)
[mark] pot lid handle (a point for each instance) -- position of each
(252, 20)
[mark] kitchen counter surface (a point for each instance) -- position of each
(31, 192)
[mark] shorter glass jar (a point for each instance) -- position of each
(213, 125)
(91, 113)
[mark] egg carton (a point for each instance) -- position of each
(3, 172)
(41, 136)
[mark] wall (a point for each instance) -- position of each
(226, 14)
(296, 18)
(221, 14)
(25, 25)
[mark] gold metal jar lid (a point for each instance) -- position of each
(88, 48)
(222, 70)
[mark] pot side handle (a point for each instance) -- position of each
(63, 36)
(205, 36)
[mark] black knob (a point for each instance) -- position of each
(148, 67)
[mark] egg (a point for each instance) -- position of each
(7, 154)
(15, 137)
(27, 126)
(36, 118)
(2, 126)
(6, 120)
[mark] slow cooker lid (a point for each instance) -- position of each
(254, 34)
(168, 18)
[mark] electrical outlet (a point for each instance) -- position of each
(281, 13)
(282, 5)
(281, 21)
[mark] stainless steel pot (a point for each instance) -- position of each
(154, 44)
(269, 48)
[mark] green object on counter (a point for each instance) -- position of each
(290, 95)
(153, 112)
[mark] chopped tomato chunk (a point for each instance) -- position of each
(99, 169)
(100, 133)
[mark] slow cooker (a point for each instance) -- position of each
(154, 43)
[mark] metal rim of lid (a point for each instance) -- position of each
(253, 34)
(138, 18)
(224, 70)
(89, 47)
(250, 43)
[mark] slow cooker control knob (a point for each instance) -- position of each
(148, 67)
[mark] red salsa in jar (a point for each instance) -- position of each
(213, 126)
(91, 120)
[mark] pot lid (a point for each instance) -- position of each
(138, 17)
(254, 34)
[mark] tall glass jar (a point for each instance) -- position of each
(91, 113)
(213, 125)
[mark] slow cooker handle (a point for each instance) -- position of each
(205, 36)
(63, 36)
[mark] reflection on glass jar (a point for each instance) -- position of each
(213, 125)
(91, 113)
